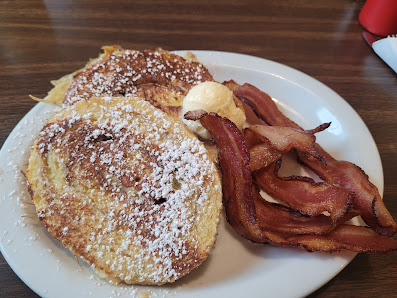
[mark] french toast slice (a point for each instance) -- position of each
(126, 188)
(159, 76)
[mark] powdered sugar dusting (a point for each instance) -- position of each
(124, 71)
(136, 175)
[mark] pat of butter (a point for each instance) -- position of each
(211, 97)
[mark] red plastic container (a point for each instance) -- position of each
(379, 17)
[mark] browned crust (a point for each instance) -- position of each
(160, 77)
(61, 213)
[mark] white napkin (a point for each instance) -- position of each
(386, 48)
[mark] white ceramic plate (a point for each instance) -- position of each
(235, 267)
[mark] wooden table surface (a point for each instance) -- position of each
(43, 40)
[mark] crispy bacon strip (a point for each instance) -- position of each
(263, 106)
(319, 128)
(351, 177)
(304, 194)
(343, 236)
(267, 143)
(367, 199)
(236, 178)
(353, 238)
(262, 155)
(251, 117)
(236, 175)
(278, 218)
(283, 139)
(251, 138)
(239, 192)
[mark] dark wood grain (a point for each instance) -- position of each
(43, 40)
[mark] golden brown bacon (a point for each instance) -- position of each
(278, 218)
(262, 105)
(300, 193)
(283, 139)
(340, 173)
(241, 199)
(351, 177)
(354, 238)
(262, 155)
(304, 194)
(236, 175)
(267, 143)
(319, 128)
